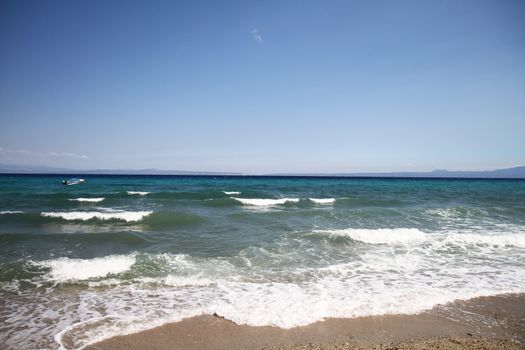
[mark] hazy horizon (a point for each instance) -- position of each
(250, 87)
(517, 171)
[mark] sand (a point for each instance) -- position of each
(496, 322)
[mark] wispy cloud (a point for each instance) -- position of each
(68, 155)
(256, 35)
(23, 152)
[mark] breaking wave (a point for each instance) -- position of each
(265, 202)
(413, 235)
(322, 200)
(138, 193)
(379, 236)
(65, 269)
(91, 200)
(7, 212)
(128, 216)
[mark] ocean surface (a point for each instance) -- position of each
(121, 254)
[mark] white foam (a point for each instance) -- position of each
(309, 284)
(278, 304)
(412, 235)
(6, 212)
(322, 200)
(265, 202)
(291, 282)
(180, 281)
(231, 192)
(93, 200)
(128, 216)
(455, 212)
(65, 269)
(138, 193)
(379, 236)
(500, 240)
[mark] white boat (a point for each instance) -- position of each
(73, 181)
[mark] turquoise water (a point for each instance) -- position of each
(120, 254)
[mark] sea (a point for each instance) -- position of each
(122, 254)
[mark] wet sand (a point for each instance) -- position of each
(496, 322)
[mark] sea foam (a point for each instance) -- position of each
(128, 216)
(380, 281)
(412, 235)
(65, 269)
(500, 240)
(231, 192)
(335, 292)
(379, 236)
(265, 202)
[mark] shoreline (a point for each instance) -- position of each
(492, 322)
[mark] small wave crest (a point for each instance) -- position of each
(229, 193)
(322, 200)
(128, 216)
(65, 269)
(138, 193)
(7, 212)
(91, 200)
(379, 236)
(265, 202)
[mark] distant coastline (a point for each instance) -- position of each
(517, 172)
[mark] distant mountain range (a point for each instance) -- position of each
(511, 173)
(508, 173)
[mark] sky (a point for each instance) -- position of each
(263, 86)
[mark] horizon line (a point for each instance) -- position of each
(512, 172)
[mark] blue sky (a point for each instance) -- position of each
(265, 86)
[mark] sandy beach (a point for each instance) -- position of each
(495, 322)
